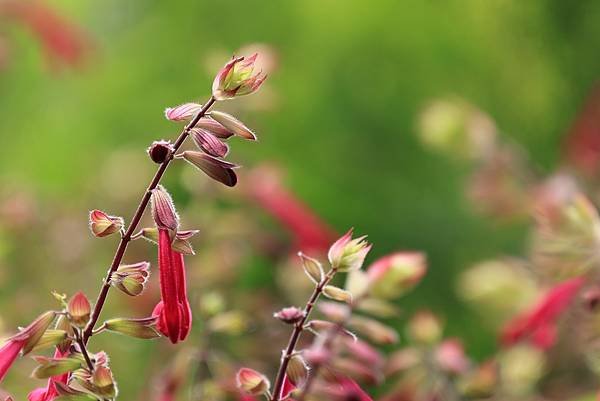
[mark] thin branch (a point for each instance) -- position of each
(295, 337)
(126, 238)
(84, 350)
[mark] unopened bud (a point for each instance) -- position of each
(334, 311)
(50, 338)
(591, 299)
(451, 358)
(183, 112)
(316, 355)
(237, 78)
(103, 225)
(312, 268)
(131, 279)
(377, 332)
(79, 309)
(252, 382)
(104, 383)
(290, 315)
(49, 367)
(393, 275)
(297, 370)
(217, 169)
(209, 143)
(160, 151)
(378, 308)
(233, 124)
(348, 254)
(163, 210)
(337, 294)
(138, 328)
(34, 332)
(425, 328)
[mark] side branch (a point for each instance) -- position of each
(295, 337)
(126, 238)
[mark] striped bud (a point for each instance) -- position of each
(182, 112)
(217, 169)
(337, 294)
(297, 370)
(233, 124)
(312, 268)
(138, 328)
(79, 309)
(163, 209)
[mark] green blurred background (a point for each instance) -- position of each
(337, 114)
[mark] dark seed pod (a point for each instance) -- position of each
(160, 151)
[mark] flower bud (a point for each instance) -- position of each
(316, 355)
(131, 279)
(392, 275)
(213, 127)
(425, 328)
(163, 210)
(102, 224)
(312, 268)
(290, 315)
(209, 143)
(252, 382)
(183, 112)
(591, 299)
(348, 254)
(337, 294)
(34, 332)
(297, 370)
(378, 308)
(160, 151)
(236, 78)
(450, 357)
(104, 383)
(377, 332)
(79, 309)
(138, 328)
(50, 338)
(49, 367)
(217, 169)
(233, 124)
(334, 311)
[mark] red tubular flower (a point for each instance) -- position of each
(310, 233)
(173, 311)
(62, 41)
(539, 323)
(49, 392)
(9, 353)
(287, 388)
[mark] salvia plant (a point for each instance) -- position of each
(339, 341)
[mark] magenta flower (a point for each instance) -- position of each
(50, 392)
(173, 311)
(237, 78)
(8, 355)
(539, 323)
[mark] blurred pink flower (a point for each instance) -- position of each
(63, 42)
(539, 323)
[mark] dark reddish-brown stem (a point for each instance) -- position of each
(135, 220)
(84, 350)
(295, 337)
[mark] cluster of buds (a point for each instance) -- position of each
(210, 131)
(344, 351)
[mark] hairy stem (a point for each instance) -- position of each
(295, 337)
(135, 220)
